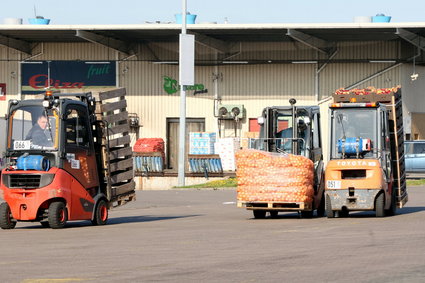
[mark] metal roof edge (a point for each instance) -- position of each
(212, 26)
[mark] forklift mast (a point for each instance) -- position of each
(291, 129)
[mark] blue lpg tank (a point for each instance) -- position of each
(33, 162)
(350, 146)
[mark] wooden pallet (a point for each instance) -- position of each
(271, 205)
(115, 146)
(123, 199)
(397, 138)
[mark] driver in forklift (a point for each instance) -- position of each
(38, 134)
(285, 136)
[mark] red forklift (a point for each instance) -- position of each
(64, 161)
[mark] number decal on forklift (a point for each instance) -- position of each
(21, 145)
(334, 184)
(75, 164)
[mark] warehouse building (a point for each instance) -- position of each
(247, 66)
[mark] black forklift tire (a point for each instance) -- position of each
(100, 214)
(321, 210)
(6, 218)
(344, 213)
(273, 213)
(58, 215)
(45, 224)
(380, 205)
(393, 206)
(307, 213)
(329, 212)
(259, 214)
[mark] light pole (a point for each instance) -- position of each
(186, 77)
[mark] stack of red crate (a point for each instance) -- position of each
(150, 145)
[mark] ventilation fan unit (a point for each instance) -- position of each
(231, 111)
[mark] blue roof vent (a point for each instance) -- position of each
(190, 19)
(381, 18)
(39, 20)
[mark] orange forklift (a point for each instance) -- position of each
(64, 161)
(366, 170)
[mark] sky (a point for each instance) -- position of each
(72, 12)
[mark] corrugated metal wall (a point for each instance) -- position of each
(274, 81)
(273, 51)
(342, 75)
(368, 50)
(339, 75)
(71, 51)
(9, 74)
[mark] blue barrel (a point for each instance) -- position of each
(33, 162)
(217, 165)
(155, 164)
(220, 167)
(145, 164)
(197, 165)
(158, 163)
(161, 164)
(350, 146)
(211, 163)
(138, 163)
(218, 160)
(204, 165)
(207, 164)
(135, 165)
(150, 163)
(192, 165)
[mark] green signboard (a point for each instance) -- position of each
(171, 86)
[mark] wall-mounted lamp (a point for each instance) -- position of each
(31, 62)
(304, 62)
(165, 62)
(382, 61)
(235, 62)
(97, 62)
(414, 76)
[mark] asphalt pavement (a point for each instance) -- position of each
(201, 236)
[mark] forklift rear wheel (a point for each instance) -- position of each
(393, 206)
(329, 212)
(273, 213)
(58, 215)
(307, 214)
(380, 205)
(100, 214)
(259, 214)
(321, 210)
(45, 224)
(6, 218)
(344, 213)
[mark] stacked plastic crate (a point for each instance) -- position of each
(202, 142)
(226, 148)
(149, 155)
(201, 153)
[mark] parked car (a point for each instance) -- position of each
(414, 153)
